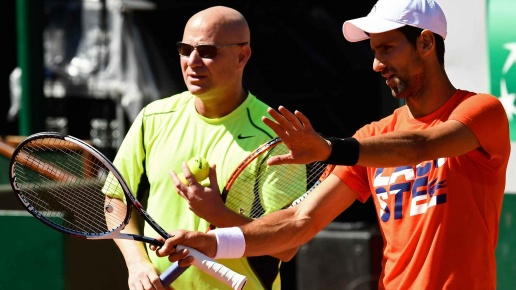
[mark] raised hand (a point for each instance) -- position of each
(296, 131)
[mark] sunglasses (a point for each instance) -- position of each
(204, 50)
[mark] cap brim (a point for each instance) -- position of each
(355, 30)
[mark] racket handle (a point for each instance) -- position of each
(171, 274)
(207, 265)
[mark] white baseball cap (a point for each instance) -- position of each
(388, 15)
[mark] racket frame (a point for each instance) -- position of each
(132, 202)
(206, 264)
(250, 158)
(256, 153)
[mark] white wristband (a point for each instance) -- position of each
(230, 242)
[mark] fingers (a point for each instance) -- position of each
(304, 120)
(288, 119)
(182, 257)
(143, 276)
(175, 178)
(192, 186)
(285, 124)
(169, 246)
(272, 124)
(213, 176)
(169, 249)
(190, 179)
(180, 186)
(155, 247)
(156, 282)
(285, 118)
(280, 159)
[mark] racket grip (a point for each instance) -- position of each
(222, 273)
(171, 274)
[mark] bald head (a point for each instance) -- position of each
(218, 24)
(215, 78)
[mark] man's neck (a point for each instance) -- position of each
(220, 105)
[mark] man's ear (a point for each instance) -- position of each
(426, 42)
(244, 55)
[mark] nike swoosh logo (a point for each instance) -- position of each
(244, 137)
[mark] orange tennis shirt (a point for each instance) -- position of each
(439, 218)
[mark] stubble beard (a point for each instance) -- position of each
(398, 90)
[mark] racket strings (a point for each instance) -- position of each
(65, 185)
(259, 188)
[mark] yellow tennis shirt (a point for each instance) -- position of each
(169, 131)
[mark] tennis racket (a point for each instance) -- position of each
(72, 187)
(255, 189)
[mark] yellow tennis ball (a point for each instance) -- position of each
(199, 167)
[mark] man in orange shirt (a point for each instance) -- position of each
(435, 168)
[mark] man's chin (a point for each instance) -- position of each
(397, 94)
(196, 90)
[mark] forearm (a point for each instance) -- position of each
(232, 219)
(277, 232)
(448, 139)
(393, 149)
(132, 251)
(387, 150)
(284, 255)
(255, 239)
(290, 228)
